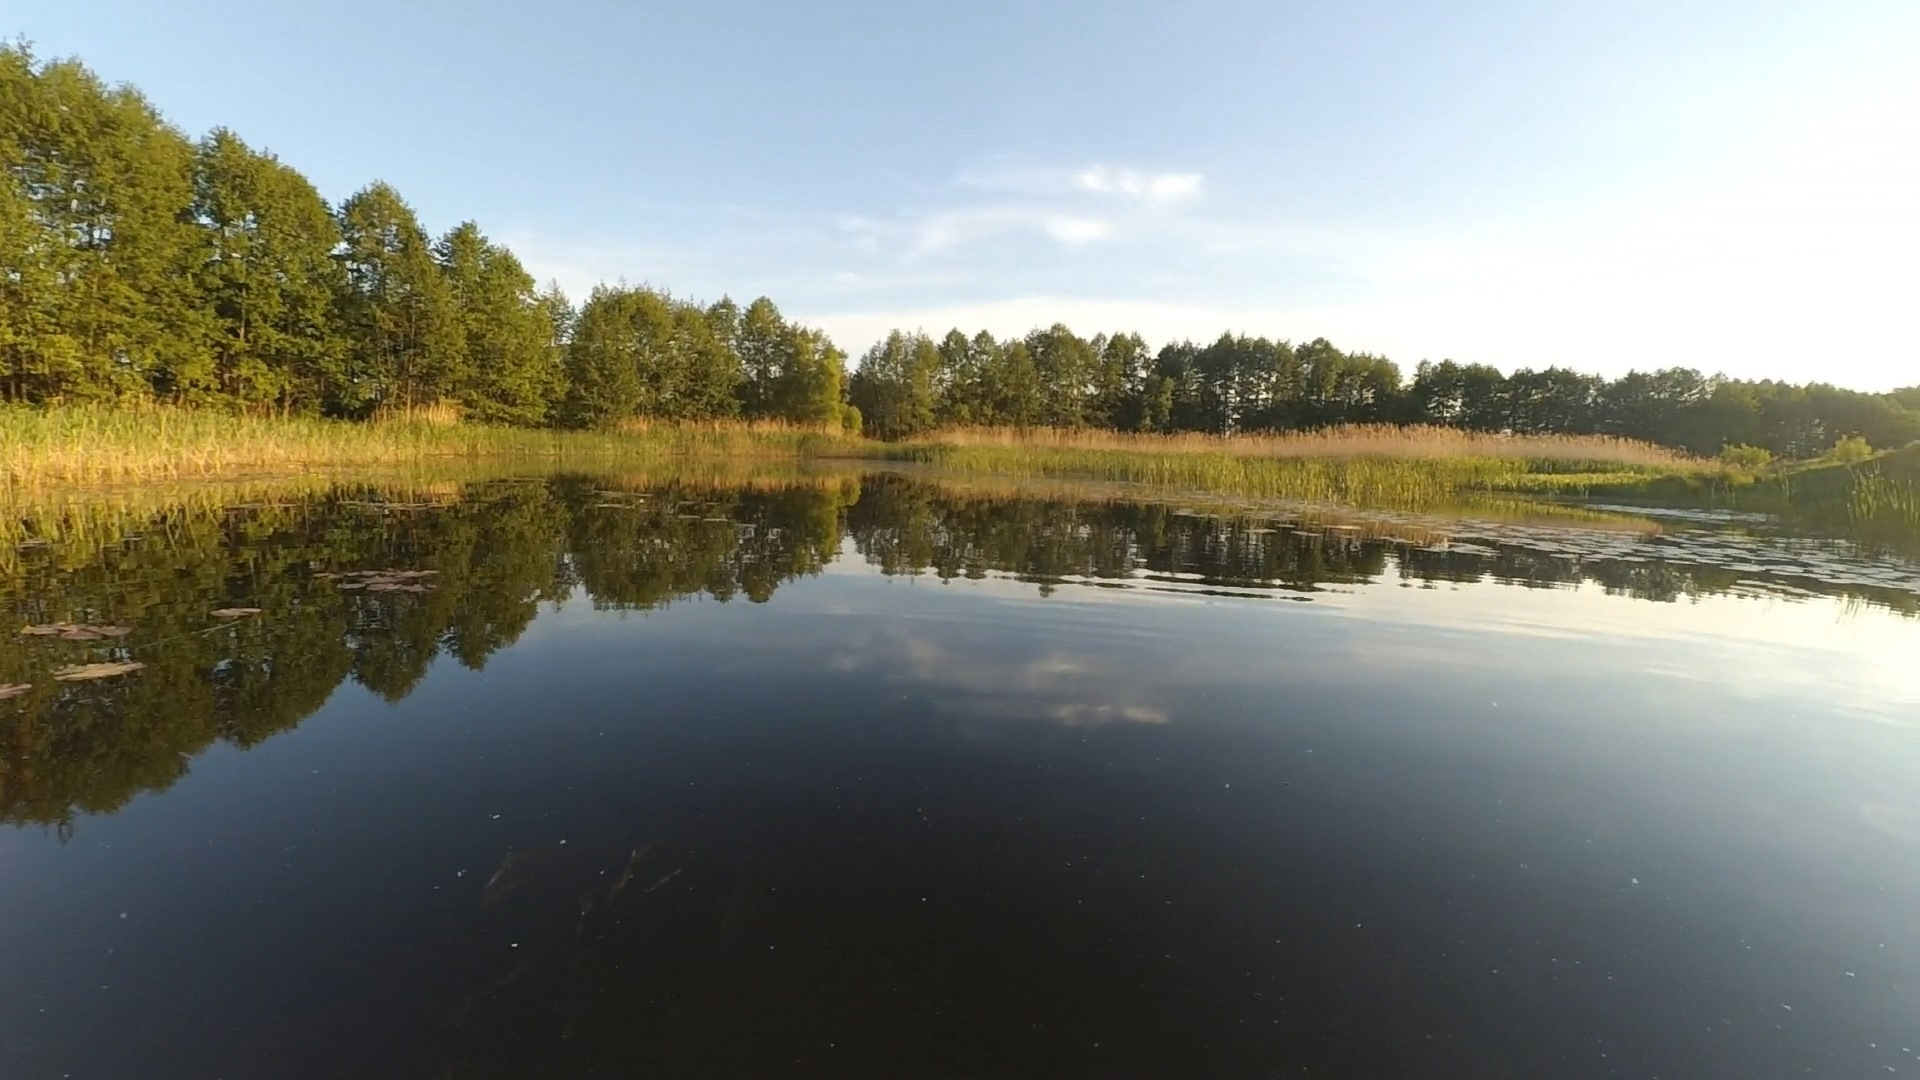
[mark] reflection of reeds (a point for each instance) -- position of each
(81, 522)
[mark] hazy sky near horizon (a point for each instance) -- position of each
(1732, 185)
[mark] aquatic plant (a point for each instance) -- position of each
(87, 444)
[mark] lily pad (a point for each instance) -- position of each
(84, 672)
(13, 690)
(397, 586)
(235, 612)
(411, 581)
(77, 631)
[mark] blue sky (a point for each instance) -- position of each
(1727, 185)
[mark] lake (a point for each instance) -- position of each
(875, 776)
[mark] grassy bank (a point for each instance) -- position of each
(42, 449)
(1878, 498)
(1364, 466)
(51, 459)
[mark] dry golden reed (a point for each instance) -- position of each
(1356, 441)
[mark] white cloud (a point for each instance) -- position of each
(1164, 187)
(1073, 230)
(1152, 187)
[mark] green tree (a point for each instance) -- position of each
(101, 251)
(641, 353)
(811, 388)
(763, 343)
(408, 346)
(603, 366)
(1067, 366)
(269, 280)
(506, 328)
(895, 386)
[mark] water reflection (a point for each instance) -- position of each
(499, 550)
(1010, 785)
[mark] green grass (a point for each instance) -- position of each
(1409, 483)
(94, 446)
(1876, 500)
(51, 460)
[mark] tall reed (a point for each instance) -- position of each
(100, 445)
(1353, 441)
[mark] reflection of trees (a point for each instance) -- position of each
(501, 549)
(679, 541)
(906, 527)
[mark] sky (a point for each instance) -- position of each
(1732, 185)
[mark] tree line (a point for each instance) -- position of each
(139, 264)
(911, 383)
(136, 263)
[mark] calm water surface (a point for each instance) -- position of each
(864, 778)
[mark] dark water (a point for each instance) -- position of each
(954, 786)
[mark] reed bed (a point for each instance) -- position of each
(1409, 483)
(104, 445)
(1879, 501)
(1385, 441)
(1374, 466)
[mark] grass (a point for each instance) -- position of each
(1385, 441)
(1877, 499)
(49, 458)
(1375, 466)
(41, 449)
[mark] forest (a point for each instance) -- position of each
(139, 265)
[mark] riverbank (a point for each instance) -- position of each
(63, 454)
(91, 446)
(1408, 467)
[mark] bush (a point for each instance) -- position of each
(1750, 458)
(1850, 449)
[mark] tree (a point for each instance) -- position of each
(1117, 384)
(810, 389)
(506, 330)
(894, 386)
(641, 353)
(408, 348)
(1066, 365)
(269, 279)
(603, 368)
(98, 186)
(763, 343)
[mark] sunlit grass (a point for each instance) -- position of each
(89, 445)
(1364, 466)
(1385, 441)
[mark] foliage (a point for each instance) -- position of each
(1849, 450)
(1750, 458)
